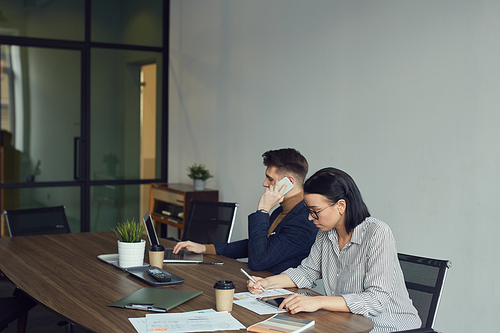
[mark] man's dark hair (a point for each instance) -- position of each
(335, 184)
(287, 160)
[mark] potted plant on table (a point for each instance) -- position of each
(131, 246)
(199, 173)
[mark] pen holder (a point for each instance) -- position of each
(156, 255)
(224, 292)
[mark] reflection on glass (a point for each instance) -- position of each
(116, 118)
(110, 204)
(24, 198)
(42, 93)
(55, 19)
(7, 85)
(127, 22)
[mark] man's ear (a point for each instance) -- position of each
(292, 179)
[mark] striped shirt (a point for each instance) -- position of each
(366, 273)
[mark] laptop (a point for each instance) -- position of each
(183, 256)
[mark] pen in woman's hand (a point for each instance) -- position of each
(251, 278)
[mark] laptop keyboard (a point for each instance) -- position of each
(171, 256)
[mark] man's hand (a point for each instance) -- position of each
(271, 197)
(190, 246)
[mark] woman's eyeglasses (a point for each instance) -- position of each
(314, 213)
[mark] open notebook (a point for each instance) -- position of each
(182, 257)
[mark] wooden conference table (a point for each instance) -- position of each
(62, 272)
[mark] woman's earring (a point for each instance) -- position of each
(341, 213)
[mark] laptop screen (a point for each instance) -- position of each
(150, 229)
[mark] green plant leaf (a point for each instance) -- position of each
(199, 171)
(129, 231)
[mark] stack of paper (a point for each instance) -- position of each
(197, 321)
(192, 322)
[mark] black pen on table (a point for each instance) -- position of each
(211, 263)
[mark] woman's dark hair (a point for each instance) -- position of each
(335, 184)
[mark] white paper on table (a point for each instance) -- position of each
(192, 322)
(140, 323)
(251, 301)
(267, 293)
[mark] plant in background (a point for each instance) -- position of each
(129, 231)
(199, 171)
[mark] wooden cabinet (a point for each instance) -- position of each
(170, 203)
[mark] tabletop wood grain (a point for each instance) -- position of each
(63, 273)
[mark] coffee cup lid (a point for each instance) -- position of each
(224, 284)
(157, 247)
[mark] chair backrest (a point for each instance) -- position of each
(424, 278)
(37, 221)
(210, 222)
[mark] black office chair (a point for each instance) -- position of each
(210, 222)
(15, 307)
(424, 278)
(37, 221)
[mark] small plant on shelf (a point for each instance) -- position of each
(199, 171)
(129, 231)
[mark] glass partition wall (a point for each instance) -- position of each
(83, 107)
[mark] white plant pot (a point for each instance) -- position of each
(131, 254)
(199, 184)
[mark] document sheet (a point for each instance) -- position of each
(252, 302)
(192, 322)
(140, 324)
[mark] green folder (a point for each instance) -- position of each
(161, 298)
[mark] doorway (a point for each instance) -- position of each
(148, 131)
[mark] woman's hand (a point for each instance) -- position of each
(300, 303)
(272, 282)
(254, 288)
(190, 246)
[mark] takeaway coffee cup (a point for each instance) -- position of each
(224, 292)
(156, 255)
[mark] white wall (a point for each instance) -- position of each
(403, 95)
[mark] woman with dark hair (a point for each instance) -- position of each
(354, 254)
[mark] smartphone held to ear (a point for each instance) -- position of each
(288, 183)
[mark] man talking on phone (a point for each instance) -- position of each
(281, 239)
